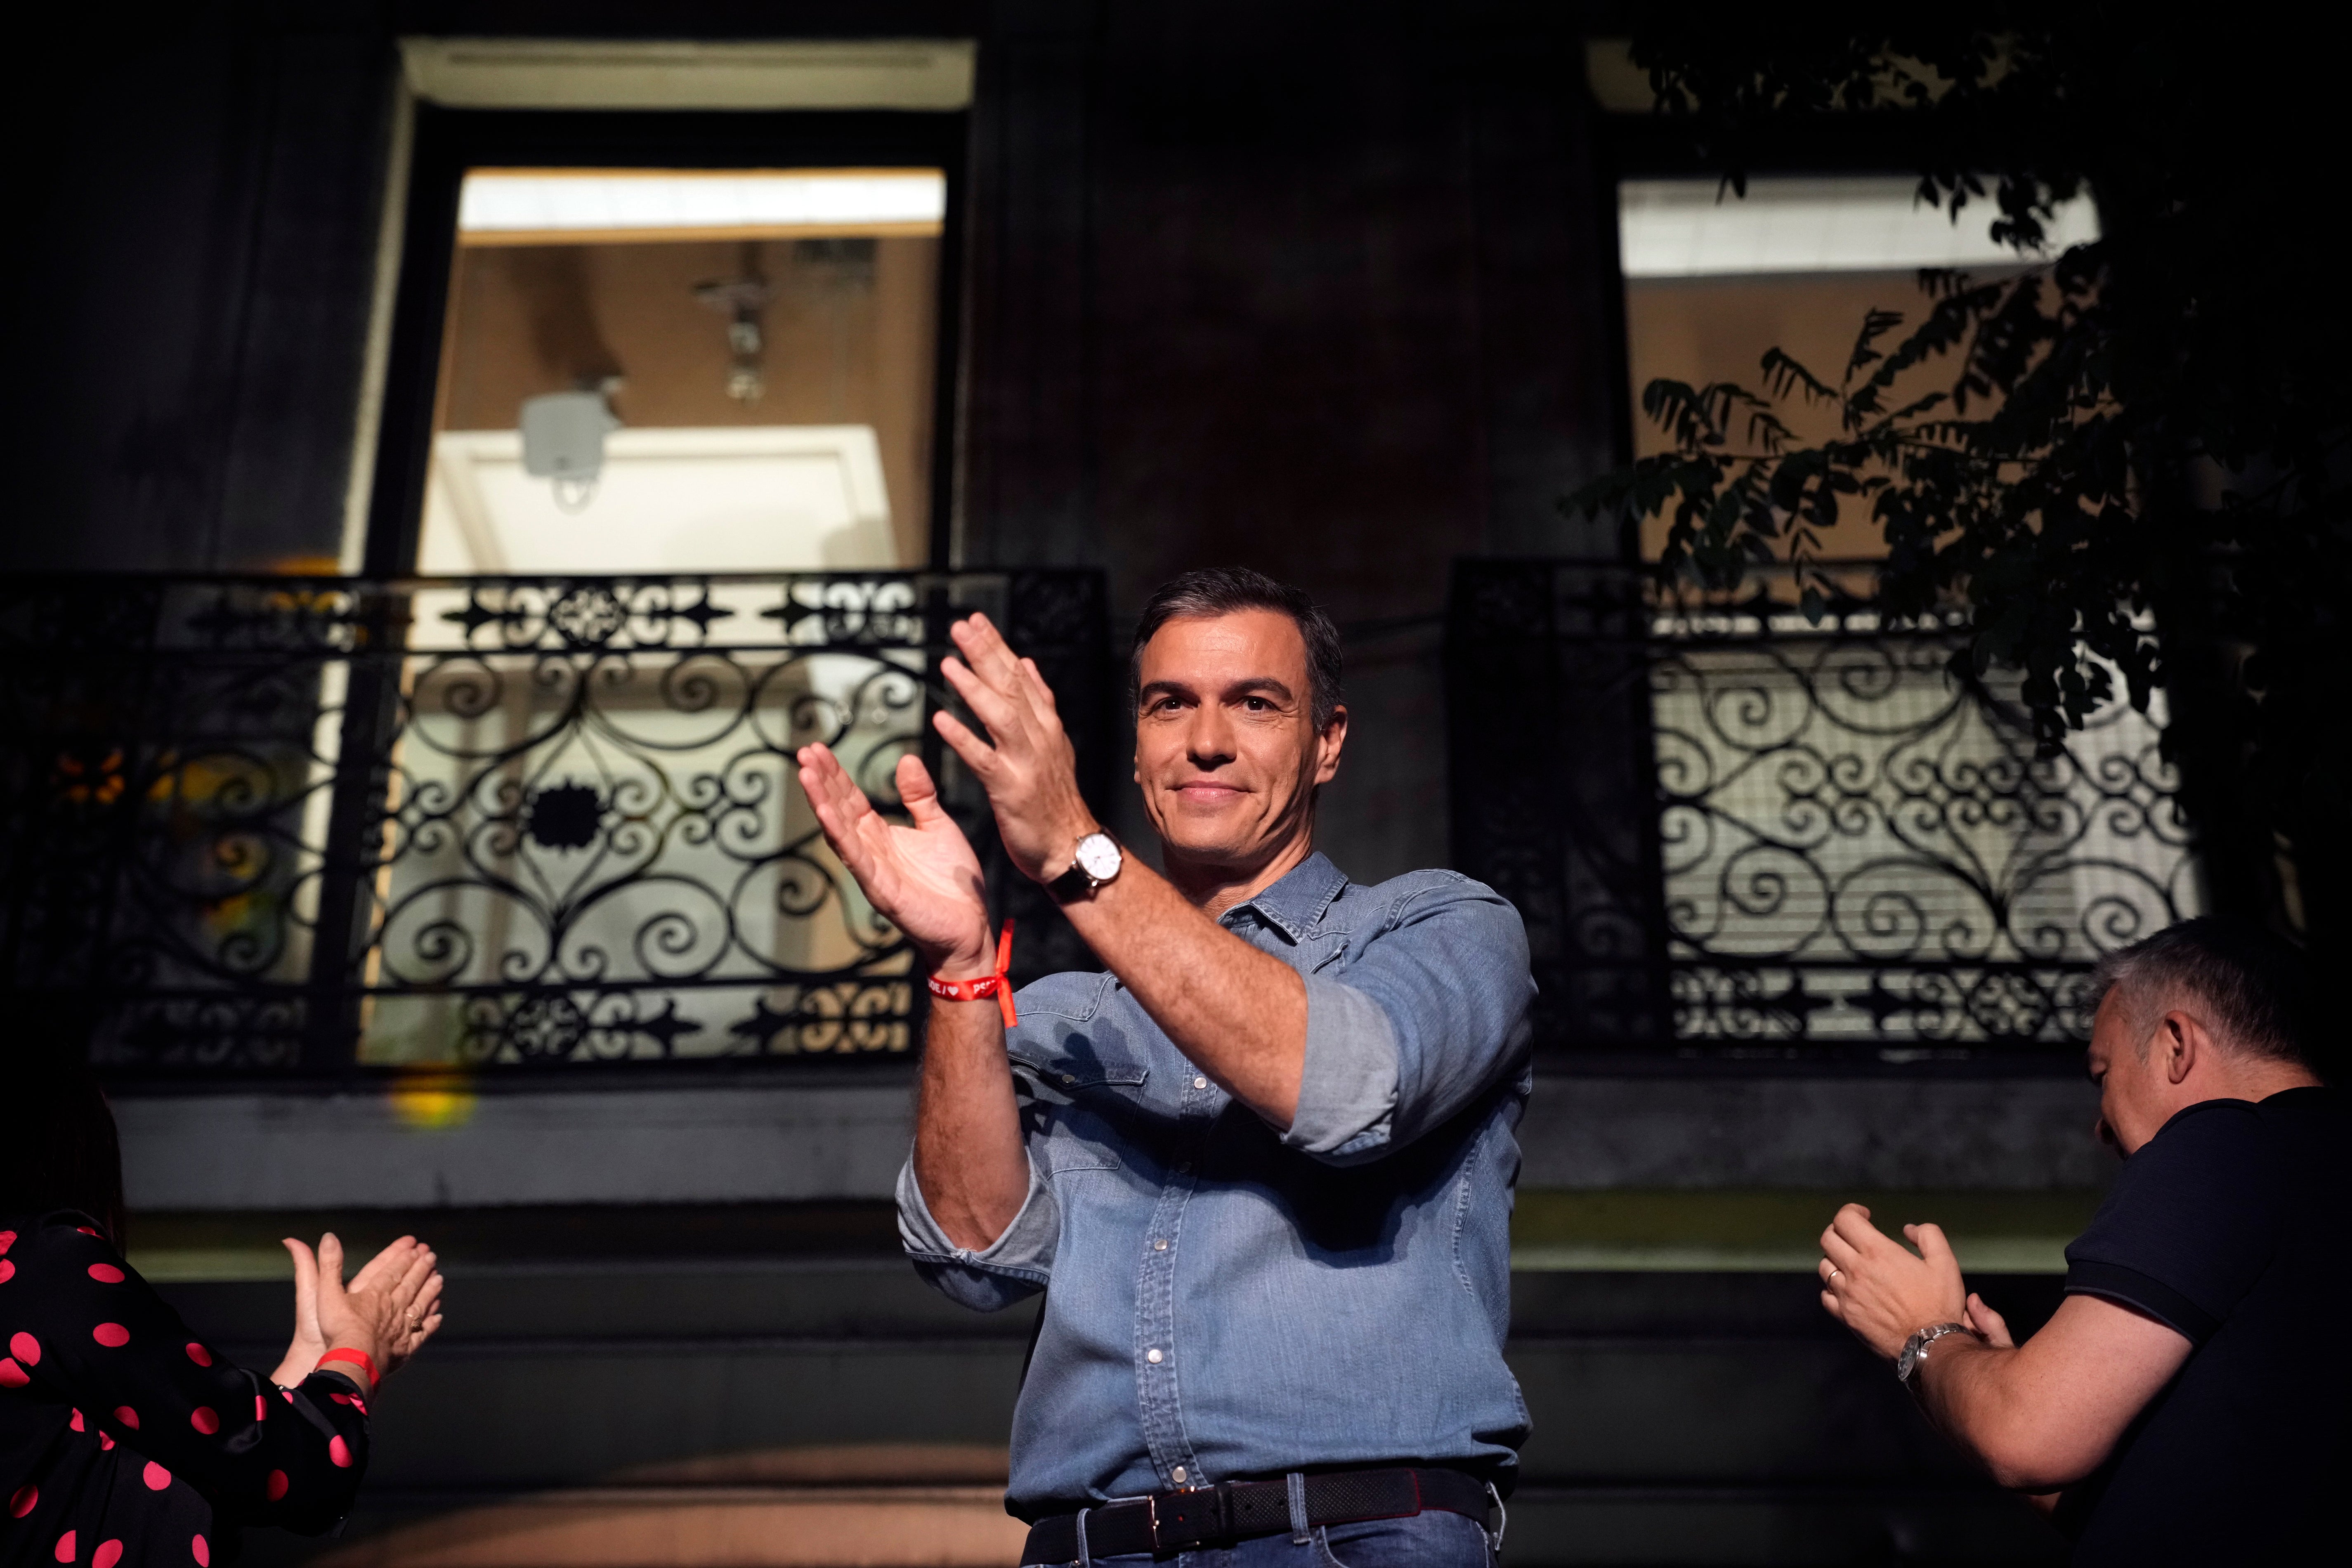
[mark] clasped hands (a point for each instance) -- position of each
(925, 878)
(1884, 1292)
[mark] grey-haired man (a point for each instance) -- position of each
(2190, 1402)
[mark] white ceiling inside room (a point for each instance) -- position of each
(1700, 228)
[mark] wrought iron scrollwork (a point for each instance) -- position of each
(558, 817)
(1731, 828)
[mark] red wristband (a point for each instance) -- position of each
(997, 985)
(358, 1359)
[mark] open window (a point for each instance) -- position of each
(661, 342)
(667, 402)
(686, 371)
(1859, 850)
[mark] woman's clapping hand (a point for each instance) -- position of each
(386, 1311)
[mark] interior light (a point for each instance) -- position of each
(563, 440)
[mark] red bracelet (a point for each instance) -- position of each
(997, 984)
(358, 1359)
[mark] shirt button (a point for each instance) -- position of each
(1177, 1474)
(1199, 1083)
(1153, 1356)
(1160, 1246)
(1069, 1078)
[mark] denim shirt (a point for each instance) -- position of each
(1229, 1300)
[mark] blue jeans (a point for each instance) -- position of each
(1432, 1540)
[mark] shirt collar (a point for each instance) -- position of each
(1295, 904)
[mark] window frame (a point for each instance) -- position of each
(449, 141)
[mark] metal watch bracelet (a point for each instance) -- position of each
(1915, 1349)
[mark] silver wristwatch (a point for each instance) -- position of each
(1915, 1349)
(1097, 861)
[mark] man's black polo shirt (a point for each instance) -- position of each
(2230, 1225)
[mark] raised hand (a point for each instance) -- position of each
(925, 879)
(389, 1308)
(1031, 773)
(422, 1319)
(303, 1352)
(1881, 1290)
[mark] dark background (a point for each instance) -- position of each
(1330, 289)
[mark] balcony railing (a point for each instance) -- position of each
(1734, 831)
(284, 825)
(298, 826)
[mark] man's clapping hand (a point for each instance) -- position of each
(1881, 1290)
(925, 879)
(1031, 773)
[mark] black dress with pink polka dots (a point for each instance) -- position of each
(124, 1441)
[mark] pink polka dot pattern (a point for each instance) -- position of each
(7, 1239)
(77, 1421)
(105, 1441)
(277, 1485)
(11, 1374)
(106, 1273)
(8, 1271)
(198, 1354)
(204, 1420)
(113, 1336)
(25, 1348)
(340, 1451)
(108, 1555)
(21, 1503)
(260, 1409)
(126, 1417)
(65, 1551)
(87, 1231)
(156, 1476)
(201, 1552)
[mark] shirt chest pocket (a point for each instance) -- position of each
(1079, 1065)
(1079, 1105)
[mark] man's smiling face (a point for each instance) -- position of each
(1226, 745)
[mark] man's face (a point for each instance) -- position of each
(2134, 1092)
(1225, 746)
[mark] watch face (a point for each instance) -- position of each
(1099, 857)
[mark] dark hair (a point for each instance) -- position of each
(2258, 986)
(60, 1151)
(1225, 590)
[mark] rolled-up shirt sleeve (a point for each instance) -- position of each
(1016, 1265)
(1429, 1012)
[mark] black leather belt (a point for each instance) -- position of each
(1235, 1510)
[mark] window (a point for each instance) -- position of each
(747, 357)
(1854, 849)
(749, 313)
(633, 349)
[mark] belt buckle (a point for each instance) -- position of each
(1204, 1518)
